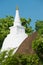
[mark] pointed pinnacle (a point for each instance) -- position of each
(17, 8)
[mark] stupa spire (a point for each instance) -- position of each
(17, 17)
(17, 8)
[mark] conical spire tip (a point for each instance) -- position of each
(17, 8)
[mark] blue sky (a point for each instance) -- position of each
(28, 9)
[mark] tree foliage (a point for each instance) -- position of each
(39, 27)
(26, 24)
(5, 23)
(38, 46)
(18, 59)
(38, 42)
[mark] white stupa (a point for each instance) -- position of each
(17, 35)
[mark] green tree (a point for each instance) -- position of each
(39, 27)
(26, 24)
(38, 42)
(38, 46)
(5, 23)
(8, 58)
